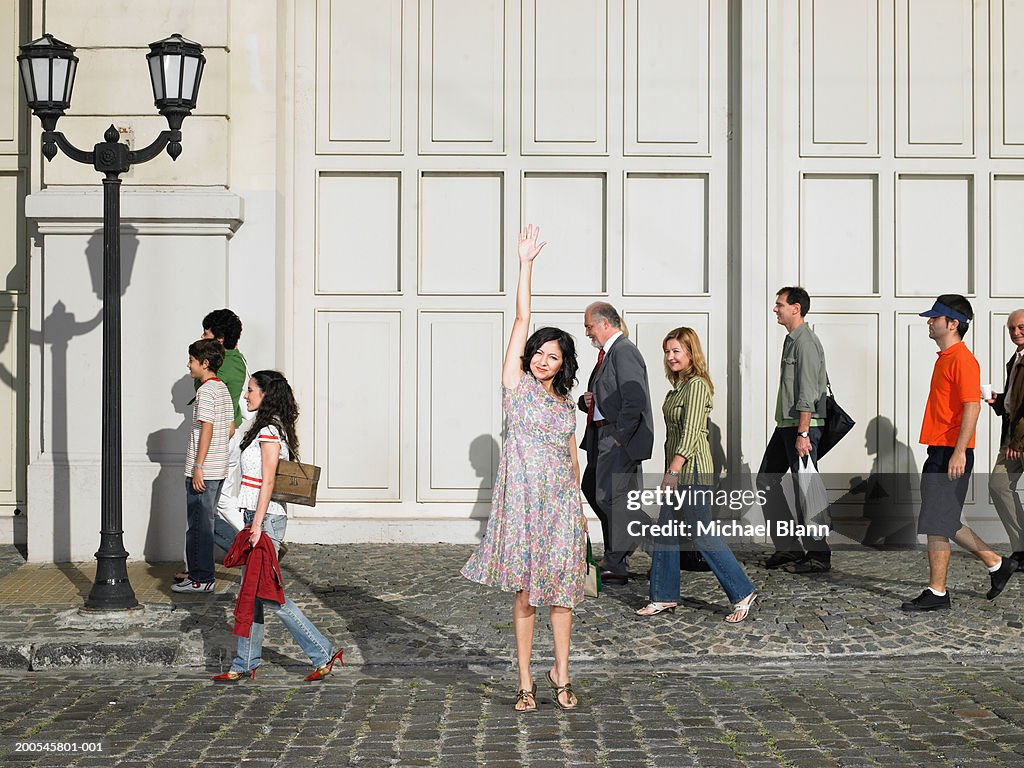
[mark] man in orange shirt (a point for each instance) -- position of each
(950, 418)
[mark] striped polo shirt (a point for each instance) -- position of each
(686, 408)
(212, 406)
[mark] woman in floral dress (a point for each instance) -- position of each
(536, 535)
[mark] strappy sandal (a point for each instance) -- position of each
(529, 699)
(741, 609)
(562, 689)
(653, 609)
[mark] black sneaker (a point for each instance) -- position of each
(1007, 568)
(809, 565)
(780, 559)
(1019, 557)
(928, 601)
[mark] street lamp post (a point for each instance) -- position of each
(48, 75)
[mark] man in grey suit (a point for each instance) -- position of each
(619, 436)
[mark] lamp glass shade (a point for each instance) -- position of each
(47, 67)
(190, 78)
(26, 80)
(157, 77)
(172, 76)
(72, 69)
(175, 67)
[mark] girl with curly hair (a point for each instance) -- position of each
(270, 438)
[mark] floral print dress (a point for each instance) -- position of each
(535, 539)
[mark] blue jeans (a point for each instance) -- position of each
(223, 533)
(201, 507)
(721, 560)
(249, 653)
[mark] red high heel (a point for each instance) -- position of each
(322, 672)
(232, 676)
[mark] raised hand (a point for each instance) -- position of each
(528, 245)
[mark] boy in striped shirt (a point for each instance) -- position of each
(206, 461)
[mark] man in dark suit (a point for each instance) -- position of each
(619, 436)
(1006, 472)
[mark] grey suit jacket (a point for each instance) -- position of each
(623, 396)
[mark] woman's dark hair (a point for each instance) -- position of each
(224, 324)
(565, 379)
(278, 409)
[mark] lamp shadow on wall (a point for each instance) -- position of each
(7, 308)
(166, 447)
(483, 456)
(60, 328)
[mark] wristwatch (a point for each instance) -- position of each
(803, 434)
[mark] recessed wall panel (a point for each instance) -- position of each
(565, 76)
(460, 356)
(358, 233)
(839, 235)
(666, 241)
(571, 208)
(839, 77)
(462, 65)
(934, 77)
(9, 453)
(850, 341)
(12, 264)
(934, 235)
(359, 85)
(667, 86)
(472, 206)
(11, 90)
(357, 414)
(1007, 236)
(1007, 77)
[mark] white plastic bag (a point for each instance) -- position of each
(813, 496)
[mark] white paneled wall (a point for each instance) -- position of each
(441, 127)
(14, 279)
(892, 179)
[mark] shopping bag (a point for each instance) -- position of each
(813, 496)
(592, 582)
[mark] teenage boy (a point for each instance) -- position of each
(950, 418)
(206, 461)
(226, 327)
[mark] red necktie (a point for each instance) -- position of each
(590, 410)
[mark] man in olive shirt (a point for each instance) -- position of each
(799, 416)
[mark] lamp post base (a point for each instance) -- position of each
(111, 591)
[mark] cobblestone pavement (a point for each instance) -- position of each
(892, 715)
(407, 604)
(826, 672)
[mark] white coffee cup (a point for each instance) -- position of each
(986, 391)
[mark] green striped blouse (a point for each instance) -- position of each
(686, 409)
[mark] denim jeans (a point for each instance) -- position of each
(249, 653)
(779, 456)
(223, 533)
(201, 508)
(721, 560)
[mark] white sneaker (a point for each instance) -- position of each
(192, 586)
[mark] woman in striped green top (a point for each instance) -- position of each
(689, 473)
